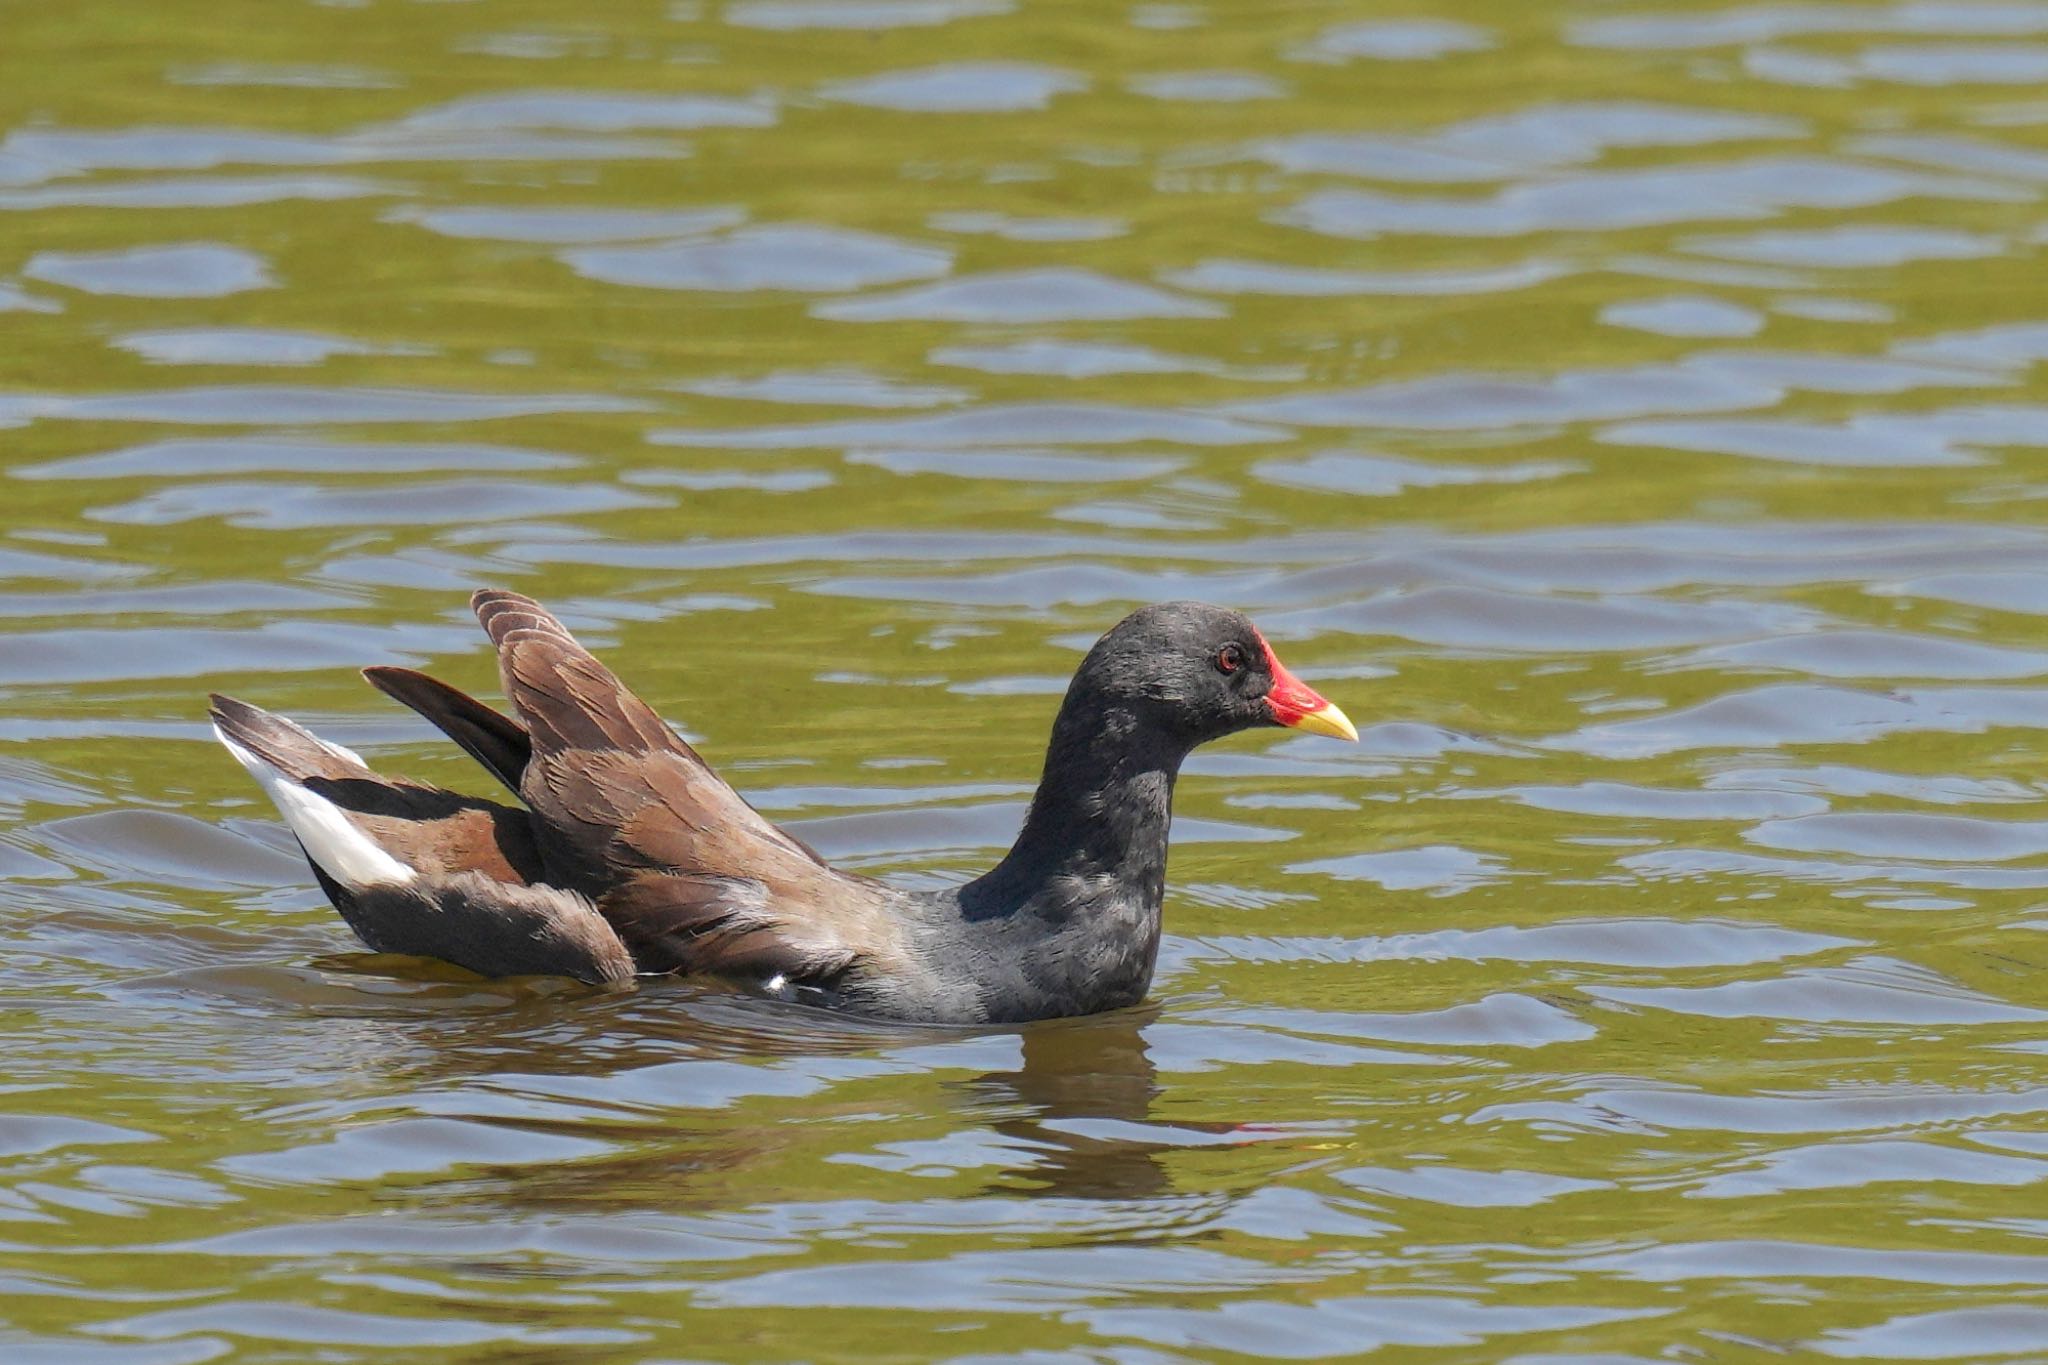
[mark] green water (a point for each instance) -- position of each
(1633, 417)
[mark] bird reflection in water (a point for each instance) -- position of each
(621, 1070)
(1078, 1077)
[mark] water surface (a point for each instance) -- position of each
(1633, 416)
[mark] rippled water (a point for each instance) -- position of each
(1634, 417)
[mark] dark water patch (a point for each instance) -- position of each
(1231, 276)
(197, 192)
(1381, 476)
(791, 798)
(1022, 1280)
(198, 270)
(36, 566)
(1856, 1165)
(1189, 1050)
(836, 387)
(1519, 144)
(1077, 584)
(30, 1134)
(15, 299)
(1680, 315)
(1503, 1020)
(960, 88)
(562, 225)
(1037, 229)
(292, 75)
(1208, 87)
(1874, 1109)
(1337, 1326)
(1439, 1017)
(714, 480)
(1764, 23)
(1840, 374)
(1877, 654)
(592, 111)
(1906, 834)
(1834, 310)
(1481, 618)
(1623, 801)
(1803, 1260)
(313, 1325)
(918, 830)
(2009, 346)
(1622, 942)
(1440, 869)
(246, 346)
(1610, 201)
(412, 1146)
(610, 1242)
(1053, 294)
(1858, 443)
(288, 507)
(1475, 402)
(1393, 40)
(421, 569)
(277, 405)
(1947, 1334)
(2018, 592)
(990, 825)
(31, 156)
(1938, 789)
(1023, 466)
(2004, 63)
(1720, 274)
(98, 654)
(1868, 991)
(1467, 1189)
(205, 456)
(783, 256)
(1850, 248)
(1948, 152)
(793, 15)
(1863, 879)
(1070, 359)
(24, 782)
(1803, 713)
(1011, 424)
(156, 845)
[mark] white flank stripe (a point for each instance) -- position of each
(343, 852)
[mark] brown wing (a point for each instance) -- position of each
(426, 828)
(627, 813)
(730, 926)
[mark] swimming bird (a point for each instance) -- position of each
(628, 856)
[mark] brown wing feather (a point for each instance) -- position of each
(605, 764)
(692, 876)
(724, 925)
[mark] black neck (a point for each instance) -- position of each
(1098, 821)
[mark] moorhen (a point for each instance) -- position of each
(632, 857)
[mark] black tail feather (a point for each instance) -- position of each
(498, 742)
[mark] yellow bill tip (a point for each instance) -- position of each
(1327, 719)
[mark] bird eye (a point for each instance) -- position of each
(1230, 658)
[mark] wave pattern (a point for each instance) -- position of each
(1634, 415)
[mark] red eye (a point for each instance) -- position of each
(1229, 659)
